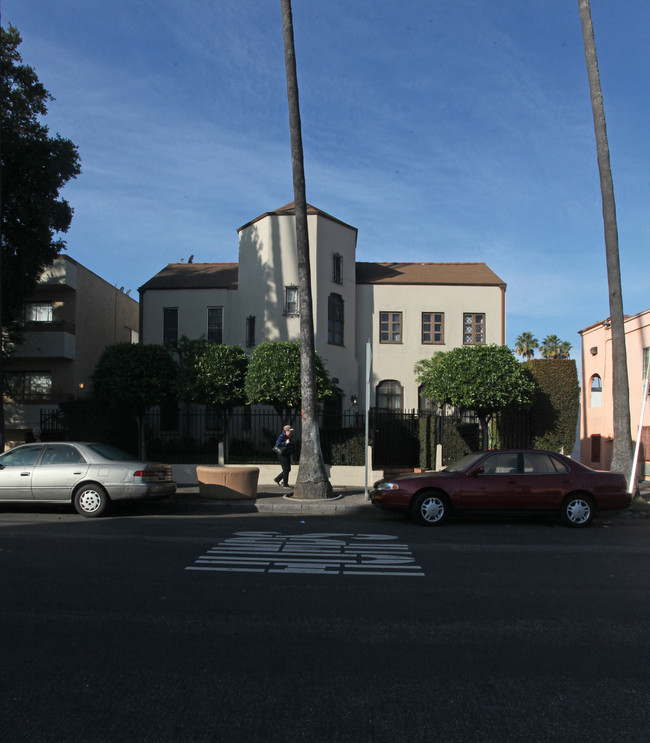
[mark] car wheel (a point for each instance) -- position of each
(430, 509)
(577, 510)
(91, 500)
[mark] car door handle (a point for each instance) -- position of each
(25, 474)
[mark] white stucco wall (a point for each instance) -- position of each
(397, 360)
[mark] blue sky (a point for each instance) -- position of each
(444, 131)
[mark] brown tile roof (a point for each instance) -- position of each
(475, 274)
(194, 276)
(290, 210)
(225, 275)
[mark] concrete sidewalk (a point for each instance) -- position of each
(272, 499)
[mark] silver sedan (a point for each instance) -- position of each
(85, 474)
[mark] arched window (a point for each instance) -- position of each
(390, 395)
(424, 404)
(596, 399)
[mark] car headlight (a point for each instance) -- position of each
(386, 486)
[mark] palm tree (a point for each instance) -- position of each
(550, 347)
(312, 480)
(526, 345)
(564, 350)
(622, 447)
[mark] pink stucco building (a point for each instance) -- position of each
(597, 427)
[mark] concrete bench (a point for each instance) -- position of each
(227, 483)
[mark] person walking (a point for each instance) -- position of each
(285, 448)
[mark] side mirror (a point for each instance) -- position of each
(478, 471)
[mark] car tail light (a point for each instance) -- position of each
(153, 474)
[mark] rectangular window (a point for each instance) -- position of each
(433, 327)
(38, 311)
(170, 324)
(390, 327)
(215, 324)
(291, 300)
(337, 268)
(250, 331)
(646, 356)
(335, 320)
(473, 329)
(27, 386)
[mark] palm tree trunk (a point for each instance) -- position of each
(312, 480)
(622, 449)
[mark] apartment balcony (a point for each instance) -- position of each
(63, 272)
(54, 340)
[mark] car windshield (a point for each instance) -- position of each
(112, 453)
(464, 462)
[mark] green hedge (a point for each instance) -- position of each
(556, 406)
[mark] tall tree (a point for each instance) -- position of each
(312, 480)
(622, 447)
(35, 167)
(550, 347)
(525, 345)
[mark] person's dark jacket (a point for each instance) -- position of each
(285, 444)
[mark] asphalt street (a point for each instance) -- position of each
(170, 622)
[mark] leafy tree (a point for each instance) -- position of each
(622, 446)
(214, 374)
(273, 377)
(312, 480)
(525, 345)
(482, 379)
(35, 167)
(133, 378)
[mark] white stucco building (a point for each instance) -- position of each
(407, 311)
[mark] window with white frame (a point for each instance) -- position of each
(473, 329)
(38, 311)
(646, 358)
(215, 324)
(290, 300)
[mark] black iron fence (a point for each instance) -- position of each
(399, 439)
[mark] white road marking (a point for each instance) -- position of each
(315, 554)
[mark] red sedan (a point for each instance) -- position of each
(506, 480)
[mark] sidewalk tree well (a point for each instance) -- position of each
(133, 378)
(273, 378)
(482, 379)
